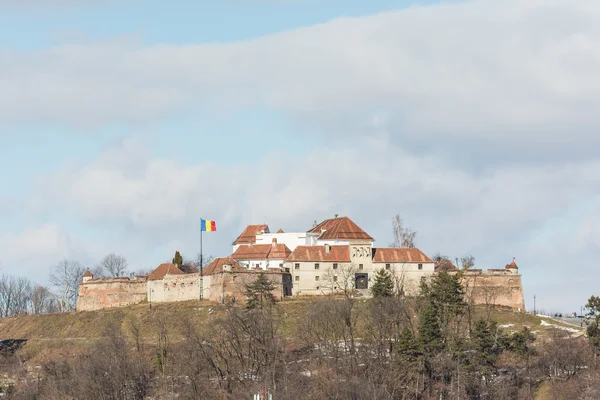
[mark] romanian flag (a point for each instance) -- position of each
(207, 225)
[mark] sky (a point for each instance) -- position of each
(122, 123)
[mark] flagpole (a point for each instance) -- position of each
(201, 272)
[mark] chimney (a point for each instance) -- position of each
(274, 243)
(315, 224)
(327, 249)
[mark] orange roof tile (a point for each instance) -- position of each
(249, 234)
(445, 265)
(216, 266)
(87, 273)
(342, 228)
(280, 231)
(277, 251)
(319, 253)
(512, 265)
(164, 269)
(400, 255)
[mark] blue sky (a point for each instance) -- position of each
(124, 122)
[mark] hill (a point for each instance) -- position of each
(49, 336)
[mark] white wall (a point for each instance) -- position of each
(290, 239)
(408, 274)
(263, 264)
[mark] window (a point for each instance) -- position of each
(287, 270)
(420, 266)
(360, 266)
(297, 278)
(316, 265)
(297, 266)
(280, 265)
(334, 265)
(387, 266)
(335, 278)
(317, 278)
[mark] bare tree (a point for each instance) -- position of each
(403, 236)
(340, 280)
(467, 261)
(42, 300)
(15, 296)
(112, 265)
(206, 259)
(66, 277)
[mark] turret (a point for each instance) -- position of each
(87, 275)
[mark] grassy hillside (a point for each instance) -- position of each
(65, 334)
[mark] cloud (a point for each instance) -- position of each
(516, 76)
(34, 250)
(493, 216)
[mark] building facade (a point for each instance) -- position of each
(330, 257)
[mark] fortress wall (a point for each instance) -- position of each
(96, 294)
(495, 287)
(225, 286)
(178, 288)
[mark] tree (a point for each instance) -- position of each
(467, 261)
(383, 285)
(403, 236)
(112, 265)
(593, 318)
(206, 259)
(260, 292)
(177, 260)
(65, 278)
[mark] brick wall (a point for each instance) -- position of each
(501, 287)
(96, 294)
(225, 286)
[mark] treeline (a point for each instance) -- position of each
(433, 346)
(21, 296)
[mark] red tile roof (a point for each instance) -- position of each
(280, 230)
(400, 255)
(164, 269)
(277, 251)
(512, 265)
(87, 274)
(216, 266)
(319, 253)
(249, 234)
(342, 228)
(445, 265)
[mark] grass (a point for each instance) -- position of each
(70, 333)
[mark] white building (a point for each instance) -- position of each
(331, 254)
(262, 256)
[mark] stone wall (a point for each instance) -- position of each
(96, 294)
(226, 285)
(500, 287)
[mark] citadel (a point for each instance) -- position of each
(331, 256)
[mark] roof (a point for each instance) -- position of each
(512, 265)
(216, 266)
(342, 228)
(164, 269)
(278, 251)
(280, 231)
(188, 268)
(400, 255)
(87, 273)
(445, 265)
(319, 253)
(249, 234)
